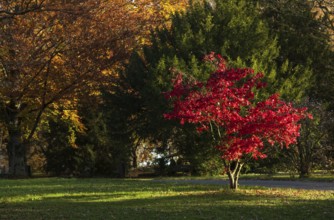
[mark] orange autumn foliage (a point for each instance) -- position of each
(50, 51)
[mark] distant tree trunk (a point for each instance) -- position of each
(233, 173)
(134, 158)
(122, 169)
(305, 161)
(304, 171)
(134, 153)
(1, 136)
(305, 151)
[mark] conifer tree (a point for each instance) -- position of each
(305, 60)
(305, 48)
(231, 28)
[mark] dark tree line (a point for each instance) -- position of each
(110, 126)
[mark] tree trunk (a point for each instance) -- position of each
(134, 158)
(16, 148)
(233, 181)
(17, 155)
(305, 159)
(233, 173)
(305, 168)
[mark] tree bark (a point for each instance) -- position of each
(17, 155)
(134, 159)
(305, 156)
(233, 173)
(16, 148)
(304, 166)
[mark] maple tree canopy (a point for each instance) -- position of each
(226, 106)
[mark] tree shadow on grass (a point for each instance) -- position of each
(58, 187)
(183, 204)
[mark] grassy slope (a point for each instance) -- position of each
(54, 198)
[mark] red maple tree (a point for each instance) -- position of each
(242, 126)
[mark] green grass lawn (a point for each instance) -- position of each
(320, 177)
(56, 198)
(327, 177)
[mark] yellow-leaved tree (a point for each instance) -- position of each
(51, 50)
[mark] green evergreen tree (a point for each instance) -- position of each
(231, 28)
(109, 151)
(305, 60)
(305, 49)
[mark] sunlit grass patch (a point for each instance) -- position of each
(316, 176)
(54, 198)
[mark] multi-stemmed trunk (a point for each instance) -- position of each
(233, 172)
